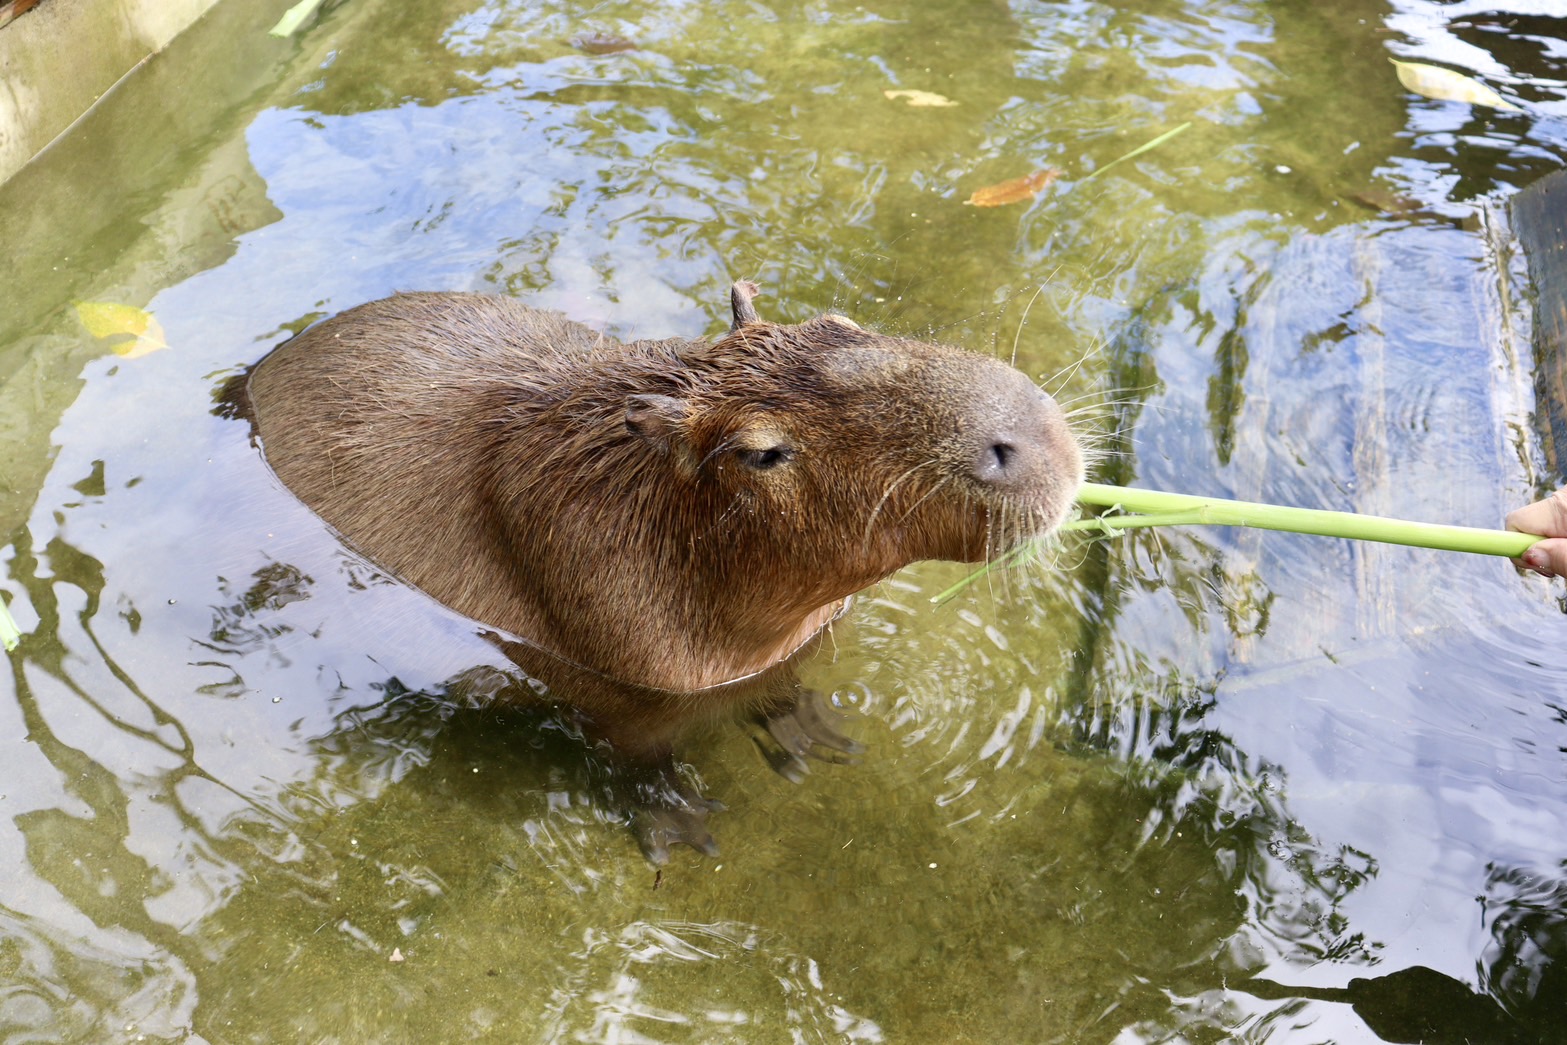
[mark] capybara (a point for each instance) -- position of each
(663, 518)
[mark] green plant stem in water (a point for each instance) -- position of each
(1166, 136)
(1152, 508)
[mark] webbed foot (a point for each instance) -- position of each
(666, 811)
(807, 728)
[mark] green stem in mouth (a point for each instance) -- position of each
(1134, 509)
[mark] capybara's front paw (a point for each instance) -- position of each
(808, 728)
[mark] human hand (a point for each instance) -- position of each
(1548, 518)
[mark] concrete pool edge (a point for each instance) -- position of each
(61, 57)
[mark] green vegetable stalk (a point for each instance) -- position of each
(1167, 509)
(295, 17)
(1141, 508)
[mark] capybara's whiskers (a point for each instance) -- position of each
(1066, 373)
(870, 522)
(1017, 335)
(727, 514)
(927, 495)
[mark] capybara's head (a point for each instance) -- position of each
(820, 457)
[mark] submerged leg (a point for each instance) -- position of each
(629, 737)
(665, 809)
(805, 727)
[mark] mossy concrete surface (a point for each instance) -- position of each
(60, 57)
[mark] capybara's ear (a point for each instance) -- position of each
(661, 420)
(740, 295)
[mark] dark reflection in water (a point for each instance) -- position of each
(1523, 976)
(1525, 965)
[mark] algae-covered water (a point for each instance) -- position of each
(1199, 785)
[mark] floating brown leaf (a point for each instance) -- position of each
(1014, 190)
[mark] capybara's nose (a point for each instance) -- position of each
(1027, 448)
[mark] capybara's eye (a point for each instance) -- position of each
(765, 458)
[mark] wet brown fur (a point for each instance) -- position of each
(672, 514)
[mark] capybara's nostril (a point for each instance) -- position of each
(995, 461)
(1002, 460)
(1017, 445)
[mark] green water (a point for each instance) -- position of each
(1180, 787)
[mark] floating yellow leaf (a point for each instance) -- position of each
(131, 332)
(148, 343)
(294, 17)
(10, 635)
(921, 99)
(1014, 190)
(1433, 81)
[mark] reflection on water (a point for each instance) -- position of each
(1181, 786)
(1522, 996)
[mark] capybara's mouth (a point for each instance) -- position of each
(1004, 525)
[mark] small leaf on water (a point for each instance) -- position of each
(1014, 190)
(921, 99)
(294, 17)
(107, 319)
(132, 332)
(10, 635)
(1433, 81)
(150, 342)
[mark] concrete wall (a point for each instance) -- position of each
(58, 59)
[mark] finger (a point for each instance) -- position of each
(1548, 558)
(1547, 518)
